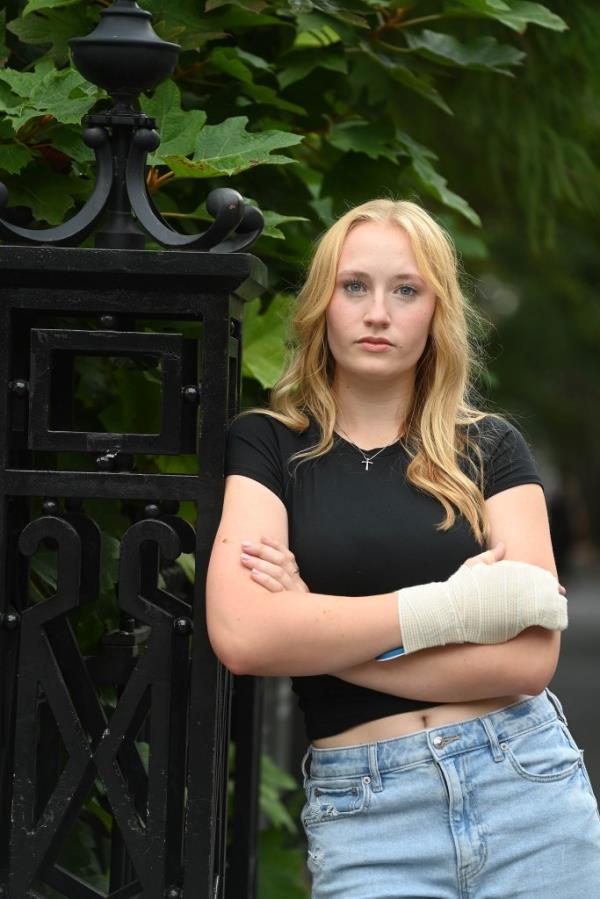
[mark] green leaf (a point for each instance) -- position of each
(397, 71)
(187, 561)
(34, 5)
(43, 563)
(281, 868)
(54, 28)
(516, 15)
(314, 30)
(178, 128)
(269, 97)
(303, 62)
(374, 139)
(14, 157)
(254, 6)
(227, 149)
(256, 62)
(264, 338)
(49, 197)
(109, 556)
(226, 59)
(67, 139)
(486, 7)
(522, 14)
(341, 12)
(437, 186)
(184, 22)
(434, 183)
(483, 53)
(64, 95)
(273, 219)
(3, 47)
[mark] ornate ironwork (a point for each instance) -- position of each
(74, 721)
(125, 56)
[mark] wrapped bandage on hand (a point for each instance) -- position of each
(479, 604)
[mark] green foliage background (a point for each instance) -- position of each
(484, 110)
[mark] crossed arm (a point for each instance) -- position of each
(255, 631)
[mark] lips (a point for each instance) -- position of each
(377, 341)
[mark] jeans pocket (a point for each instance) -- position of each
(333, 800)
(546, 754)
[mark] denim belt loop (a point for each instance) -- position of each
(557, 705)
(497, 753)
(376, 784)
(305, 769)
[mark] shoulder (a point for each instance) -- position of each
(492, 431)
(506, 455)
(265, 427)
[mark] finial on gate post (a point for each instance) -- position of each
(125, 56)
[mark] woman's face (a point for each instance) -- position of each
(378, 294)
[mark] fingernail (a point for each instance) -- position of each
(247, 543)
(245, 558)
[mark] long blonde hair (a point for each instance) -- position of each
(435, 433)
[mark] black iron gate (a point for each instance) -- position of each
(72, 723)
(114, 734)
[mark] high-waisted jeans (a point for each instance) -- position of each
(496, 807)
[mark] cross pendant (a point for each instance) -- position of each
(366, 463)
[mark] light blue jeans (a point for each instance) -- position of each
(496, 807)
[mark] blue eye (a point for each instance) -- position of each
(407, 290)
(348, 284)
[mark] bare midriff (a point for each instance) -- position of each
(413, 722)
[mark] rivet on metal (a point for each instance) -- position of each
(192, 393)
(50, 506)
(9, 621)
(109, 322)
(152, 510)
(183, 626)
(19, 387)
(106, 462)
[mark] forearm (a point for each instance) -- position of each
(289, 633)
(464, 672)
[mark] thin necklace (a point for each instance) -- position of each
(367, 460)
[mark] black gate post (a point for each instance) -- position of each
(73, 723)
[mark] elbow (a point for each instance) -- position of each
(540, 665)
(231, 653)
(232, 648)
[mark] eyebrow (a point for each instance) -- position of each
(402, 275)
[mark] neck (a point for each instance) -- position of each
(372, 414)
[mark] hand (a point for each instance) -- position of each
(496, 554)
(272, 565)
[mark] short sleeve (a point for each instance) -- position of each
(508, 460)
(253, 451)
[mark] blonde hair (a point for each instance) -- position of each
(436, 427)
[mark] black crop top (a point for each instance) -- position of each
(360, 533)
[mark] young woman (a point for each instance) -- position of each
(351, 556)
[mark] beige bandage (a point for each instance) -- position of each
(480, 604)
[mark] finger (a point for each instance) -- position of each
(488, 557)
(259, 551)
(562, 590)
(484, 558)
(276, 572)
(272, 585)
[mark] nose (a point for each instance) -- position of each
(377, 312)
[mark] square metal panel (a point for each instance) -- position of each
(48, 345)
